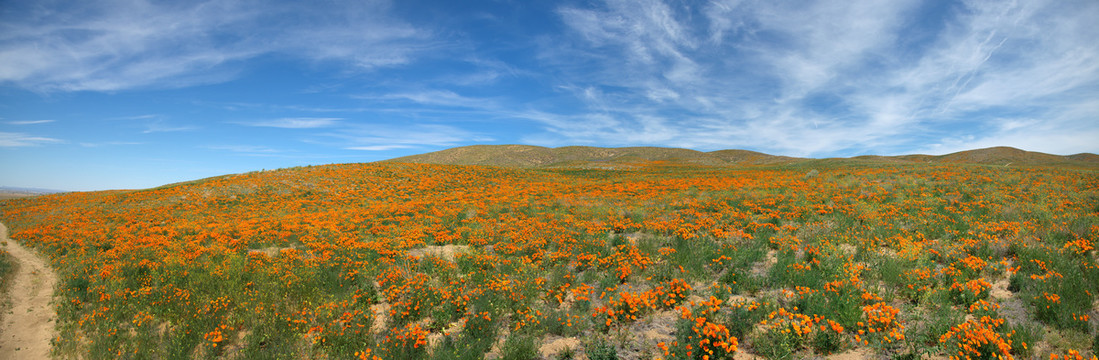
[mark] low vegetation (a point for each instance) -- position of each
(7, 273)
(661, 260)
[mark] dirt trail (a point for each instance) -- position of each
(28, 325)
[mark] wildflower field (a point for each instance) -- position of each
(405, 261)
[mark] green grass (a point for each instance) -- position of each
(519, 347)
(599, 349)
(8, 267)
(894, 220)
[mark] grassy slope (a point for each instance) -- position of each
(526, 156)
(295, 263)
(585, 156)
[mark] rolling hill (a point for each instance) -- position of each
(425, 261)
(527, 156)
(1006, 156)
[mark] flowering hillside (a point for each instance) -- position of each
(410, 261)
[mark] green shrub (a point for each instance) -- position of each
(1095, 344)
(7, 269)
(599, 349)
(776, 344)
(1024, 338)
(687, 344)
(565, 354)
(519, 347)
(828, 342)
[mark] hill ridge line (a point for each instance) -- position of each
(531, 156)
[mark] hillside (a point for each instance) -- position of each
(586, 156)
(527, 156)
(1003, 155)
(420, 261)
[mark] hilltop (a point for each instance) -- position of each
(527, 156)
(585, 156)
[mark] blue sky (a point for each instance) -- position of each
(133, 94)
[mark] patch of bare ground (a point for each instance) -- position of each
(28, 325)
(743, 355)
(435, 338)
(446, 252)
(553, 345)
(855, 354)
(381, 316)
(645, 334)
(762, 267)
(1011, 307)
(233, 348)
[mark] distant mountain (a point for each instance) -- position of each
(18, 192)
(1001, 155)
(752, 157)
(1004, 155)
(27, 190)
(586, 156)
(1085, 157)
(527, 156)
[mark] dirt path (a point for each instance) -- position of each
(28, 325)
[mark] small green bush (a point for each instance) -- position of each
(776, 344)
(1024, 334)
(828, 342)
(599, 349)
(519, 347)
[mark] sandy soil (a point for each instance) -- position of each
(446, 252)
(28, 326)
(554, 345)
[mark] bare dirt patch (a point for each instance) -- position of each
(763, 266)
(444, 251)
(853, 354)
(1011, 307)
(381, 316)
(555, 345)
(28, 325)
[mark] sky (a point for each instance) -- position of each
(131, 94)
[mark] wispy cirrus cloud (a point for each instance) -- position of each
(254, 150)
(378, 137)
(296, 123)
(29, 122)
(14, 139)
(153, 123)
(829, 77)
(109, 143)
(379, 147)
(159, 126)
(119, 45)
(434, 97)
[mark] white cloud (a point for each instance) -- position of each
(140, 117)
(824, 78)
(109, 143)
(376, 137)
(433, 98)
(125, 44)
(159, 126)
(29, 122)
(9, 139)
(297, 123)
(244, 149)
(379, 147)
